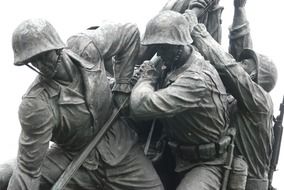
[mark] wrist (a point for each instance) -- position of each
(239, 16)
(239, 9)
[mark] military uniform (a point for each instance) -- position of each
(253, 118)
(193, 109)
(71, 114)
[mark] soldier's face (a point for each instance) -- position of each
(250, 67)
(168, 53)
(46, 63)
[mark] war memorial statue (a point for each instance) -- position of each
(67, 104)
(95, 93)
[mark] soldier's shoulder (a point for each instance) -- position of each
(40, 89)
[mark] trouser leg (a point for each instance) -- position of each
(54, 165)
(202, 178)
(134, 172)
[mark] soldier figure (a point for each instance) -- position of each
(191, 103)
(249, 77)
(67, 104)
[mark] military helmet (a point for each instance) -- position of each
(266, 69)
(168, 27)
(33, 37)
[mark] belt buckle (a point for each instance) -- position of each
(189, 153)
(207, 151)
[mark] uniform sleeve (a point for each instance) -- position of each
(236, 80)
(239, 39)
(120, 42)
(37, 122)
(185, 93)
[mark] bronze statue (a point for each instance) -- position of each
(249, 77)
(67, 104)
(191, 103)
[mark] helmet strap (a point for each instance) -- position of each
(178, 54)
(58, 52)
(253, 76)
(34, 69)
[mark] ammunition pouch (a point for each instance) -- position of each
(238, 174)
(203, 152)
(259, 184)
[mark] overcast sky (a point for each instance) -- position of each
(70, 17)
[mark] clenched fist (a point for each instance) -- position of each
(240, 3)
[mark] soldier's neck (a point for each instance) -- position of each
(66, 71)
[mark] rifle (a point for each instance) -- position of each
(206, 9)
(278, 130)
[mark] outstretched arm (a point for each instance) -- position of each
(249, 94)
(239, 36)
(115, 44)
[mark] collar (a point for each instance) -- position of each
(66, 94)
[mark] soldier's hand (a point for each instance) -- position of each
(111, 81)
(240, 3)
(191, 18)
(148, 70)
(136, 75)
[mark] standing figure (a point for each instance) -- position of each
(249, 77)
(191, 103)
(69, 102)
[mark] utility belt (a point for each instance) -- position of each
(203, 152)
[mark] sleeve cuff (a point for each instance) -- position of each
(239, 31)
(199, 30)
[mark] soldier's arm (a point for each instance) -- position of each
(37, 122)
(122, 42)
(240, 36)
(236, 80)
(146, 102)
(111, 43)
